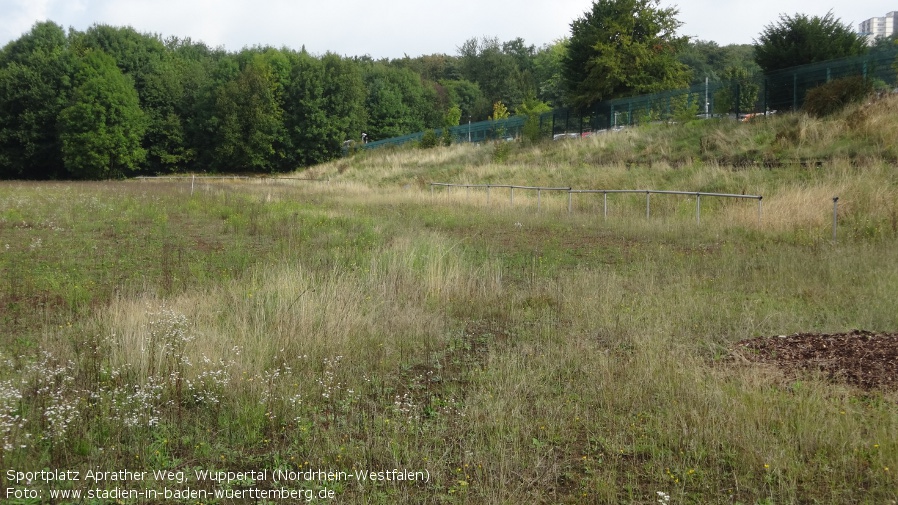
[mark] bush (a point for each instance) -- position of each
(833, 96)
(429, 139)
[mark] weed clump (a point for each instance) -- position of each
(833, 96)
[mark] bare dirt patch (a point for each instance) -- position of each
(864, 359)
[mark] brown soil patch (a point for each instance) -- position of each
(861, 358)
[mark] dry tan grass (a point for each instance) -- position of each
(290, 309)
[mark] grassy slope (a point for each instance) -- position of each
(516, 356)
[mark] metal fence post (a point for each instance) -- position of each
(431, 192)
(759, 210)
(487, 194)
(647, 197)
(835, 215)
(539, 199)
(698, 208)
(605, 203)
(512, 195)
(569, 202)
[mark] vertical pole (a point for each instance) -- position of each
(759, 210)
(706, 97)
(512, 195)
(795, 91)
(647, 196)
(698, 208)
(539, 199)
(488, 194)
(605, 203)
(431, 192)
(192, 181)
(468, 192)
(835, 215)
(569, 202)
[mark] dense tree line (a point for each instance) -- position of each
(112, 102)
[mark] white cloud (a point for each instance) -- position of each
(393, 28)
(19, 16)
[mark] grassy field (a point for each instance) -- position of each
(509, 355)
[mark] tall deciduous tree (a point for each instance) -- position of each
(623, 47)
(247, 122)
(799, 40)
(102, 128)
(547, 69)
(35, 84)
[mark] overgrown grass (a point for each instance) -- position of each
(515, 355)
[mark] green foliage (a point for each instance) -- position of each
(532, 108)
(102, 128)
(833, 96)
(707, 59)
(247, 119)
(450, 119)
(737, 82)
(685, 108)
(799, 40)
(429, 140)
(621, 48)
(452, 116)
(501, 70)
(398, 102)
(35, 84)
(466, 95)
(500, 112)
(548, 65)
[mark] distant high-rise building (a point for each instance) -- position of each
(874, 28)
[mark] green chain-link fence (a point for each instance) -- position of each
(783, 90)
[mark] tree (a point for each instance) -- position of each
(533, 108)
(247, 121)
(547, 70)
(621, 48)
(495, 67)
(35, 85)
(322, 107)
(466, 95)
(738, 83)
(799, 40)
(398, 102)
(102, 128)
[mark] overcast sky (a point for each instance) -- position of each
(397, 27)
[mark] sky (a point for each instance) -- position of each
(395, 28)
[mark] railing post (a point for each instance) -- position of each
(488, 195)
(759, 210)
(570, 201)
(698, 208)
(512, 195)
(539, 199)
(647, 197)
(835, 215)
(431, 192)
(605, 204)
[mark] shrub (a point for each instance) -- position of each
(833, 96)
(429, 139)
